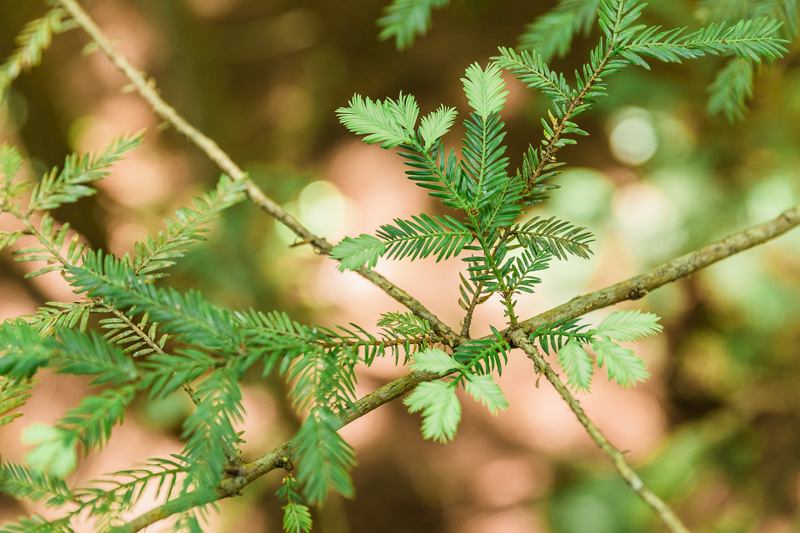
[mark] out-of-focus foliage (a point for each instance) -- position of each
(403, 20)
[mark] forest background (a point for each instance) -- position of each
(715, 429)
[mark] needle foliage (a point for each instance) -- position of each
(149, 339)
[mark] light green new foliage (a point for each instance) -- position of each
(485, 89)
(441, 410)
(151, 340)
(436, 124)
(296, 516)
(628, 325)
(483, 389)
(433, 360)
(622, 366)
(390, 122)
(55, 451)
(355, 252)
(577, 365)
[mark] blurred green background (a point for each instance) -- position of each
(716, 430)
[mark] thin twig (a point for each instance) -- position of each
(471, 306)
(147, 90)
(520, 340)
(552, 146)
(638, 286)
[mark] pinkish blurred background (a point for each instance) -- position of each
(716, 430)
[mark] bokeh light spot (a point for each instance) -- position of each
(647, 219)
(584, 196)
(323, 207)
(633, 139)
(767, 199)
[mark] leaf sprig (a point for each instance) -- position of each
(441, 409)
(568, 338)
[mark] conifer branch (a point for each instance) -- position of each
(405, 19)
(376, 343)
(12, 396)
(633, 288)
(495, 272)
(33, 40)
(324, 378)
(551, 33)
(731, 89)
(147, 90)
(139, 333)
(520, 339)
(471, 297)
(630, 289)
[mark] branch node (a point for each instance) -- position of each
(637, 292)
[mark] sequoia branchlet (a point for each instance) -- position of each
(502, 250)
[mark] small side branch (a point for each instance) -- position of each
(140, 334)
(472, 304)
(520, 340)
(552, 146)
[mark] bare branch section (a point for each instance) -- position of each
(630, 289)
(638, 286)
(520, 339)
(147, 90)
